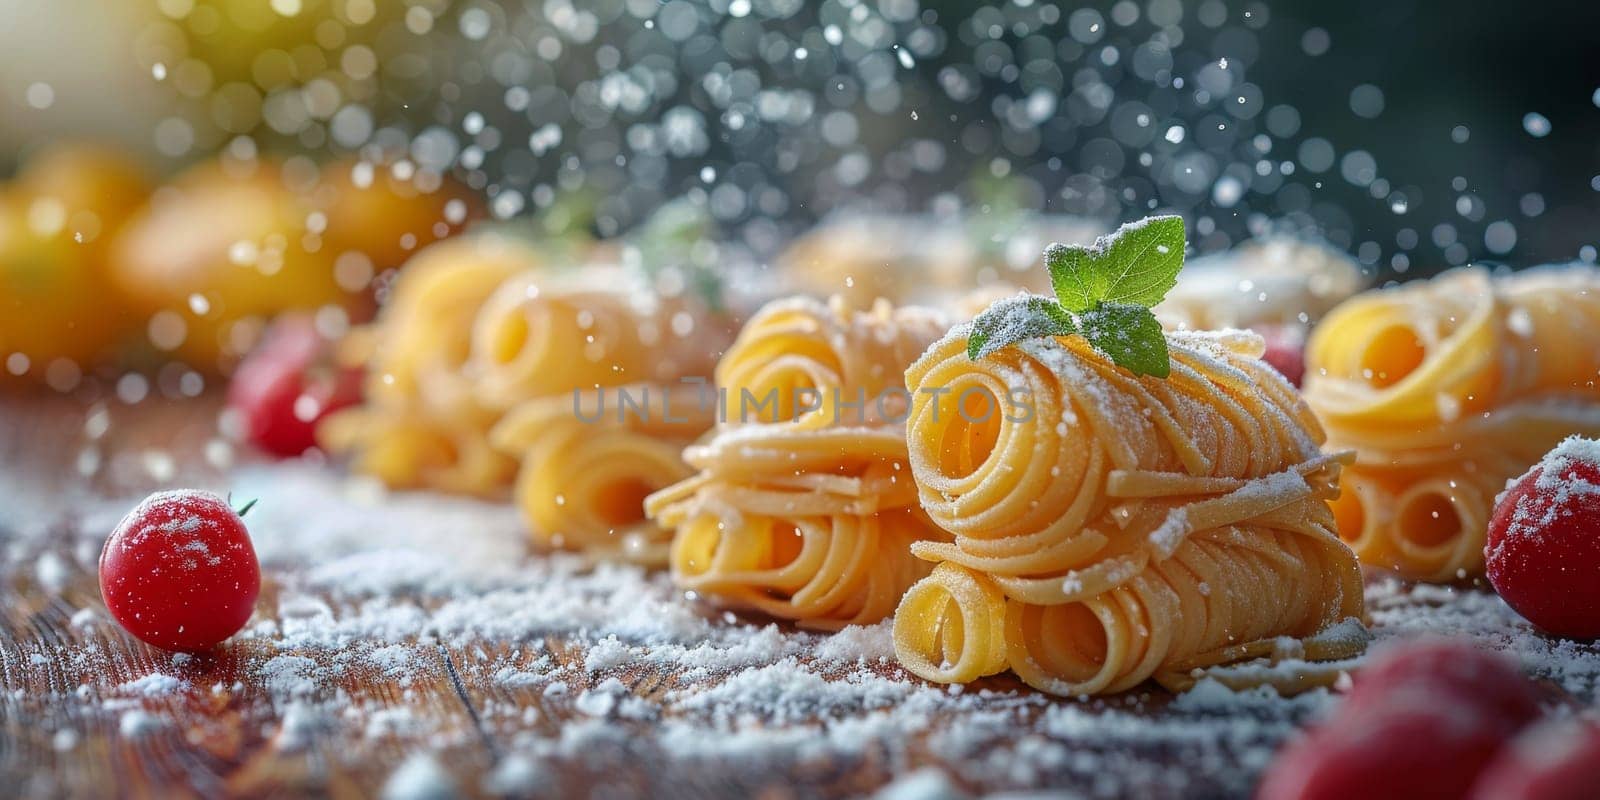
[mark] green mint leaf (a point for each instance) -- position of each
(1129, 335)
(1015, 319)
(1135, 265)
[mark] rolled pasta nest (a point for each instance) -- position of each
(1446, 389)
(421, 425)
(589, 460)
(1108, 529)
(488, 363)
(802, 505)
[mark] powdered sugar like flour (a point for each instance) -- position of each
(591, 671)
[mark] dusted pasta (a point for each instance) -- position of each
(798, 353)
(803, 507)
(590, 458)
(410, 448)
(1446, 389)
(476, 362)
(1110, 528)
(418, 348)
(545, 333)
(421, 426)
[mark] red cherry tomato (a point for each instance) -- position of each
(1450, 672)
(288, 384)
(179, 571)
(1421, 722)
(1286, 345)
(1552, 761)
(1543, 547)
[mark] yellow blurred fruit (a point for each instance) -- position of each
(370, 211)
(217, 253)
(56, 220)
(54, 302)
(97, 187)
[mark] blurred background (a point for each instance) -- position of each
(1413, 134)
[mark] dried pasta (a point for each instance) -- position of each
(803, 508)
(409, 448)
(913, 259)
(541, 334)
(1445, 389)
(477, 360)
(421, 426)
(589, 460)
(1109, 529)
(1273, 281)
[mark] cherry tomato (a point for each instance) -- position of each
(179, 571)
(288, 384)
(1286, 345)
(1543, 546)
(1422, 721)
(1556, 760)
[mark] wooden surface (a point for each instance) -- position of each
(74, 721)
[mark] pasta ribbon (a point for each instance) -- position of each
(1110, 528)
(589, 459)
(804, 509)
(542, 334)
(482, 362)
(1446, 389)
(421, 426)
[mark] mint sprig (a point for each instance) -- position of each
(1104, 293)
(1005, 323)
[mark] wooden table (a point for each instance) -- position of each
(85, 710)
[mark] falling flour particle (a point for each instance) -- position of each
(51, 571)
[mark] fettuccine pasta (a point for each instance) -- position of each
(1110, 528)
(802, 506)
(421, 426)
(543, 334)
(476, 362)
(589, 460)
(1446, 389)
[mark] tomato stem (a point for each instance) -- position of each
(245, 509)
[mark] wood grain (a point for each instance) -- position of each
(74, 723)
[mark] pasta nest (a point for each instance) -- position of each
(1446, 389)
(804, 509)
(1109, 528)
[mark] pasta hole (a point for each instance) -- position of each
(510, 337)
(1084, 635)
(621, 502)
(695, 548)
(786, 544)
(1429, 519)
(1392, 355)
(1350, 514)
(971, 433)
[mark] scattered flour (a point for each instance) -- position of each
(154, 685)
(594, 669)
(420, 777)
(136, 723)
